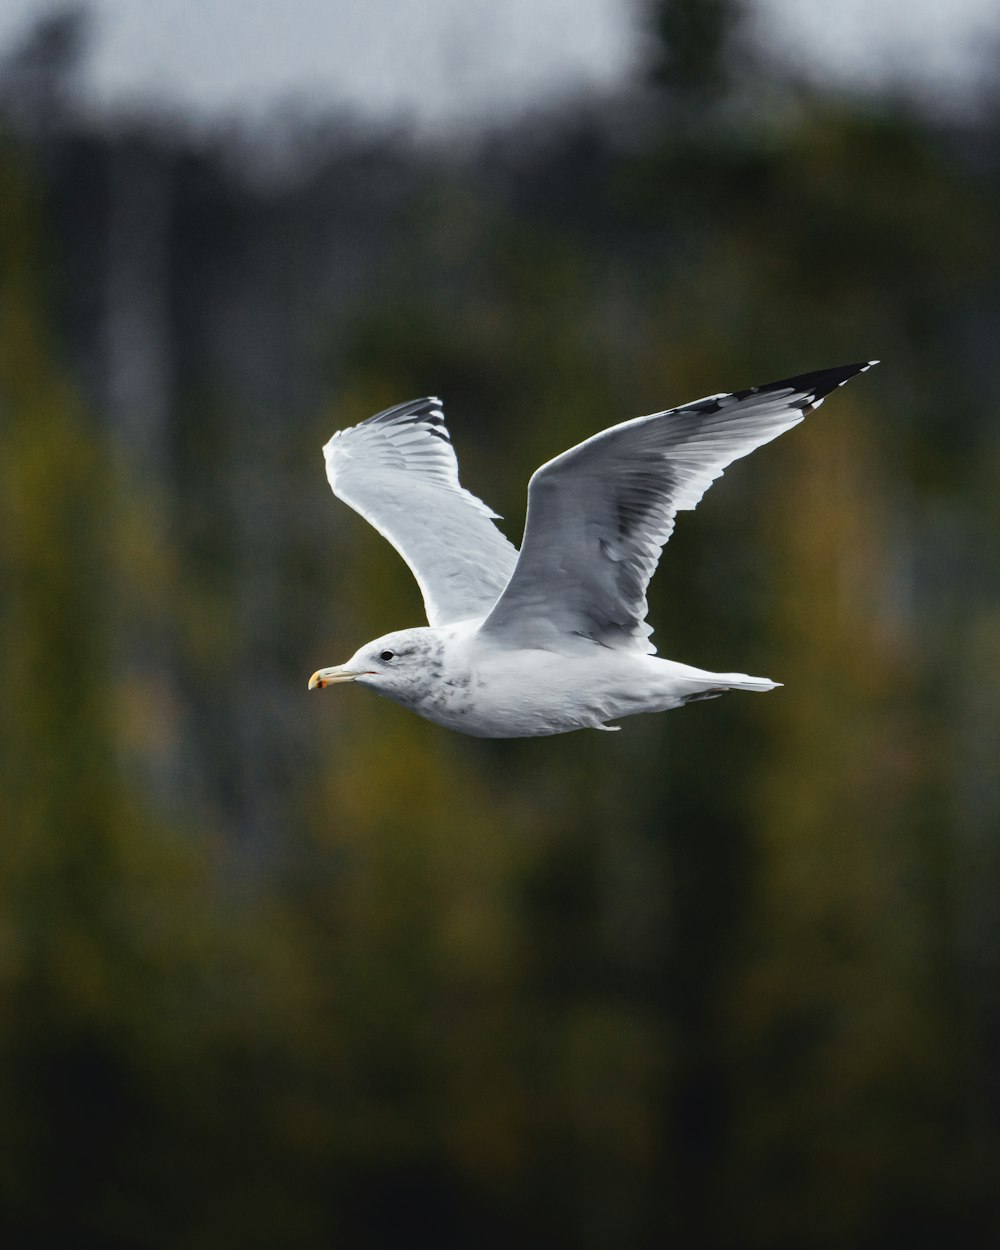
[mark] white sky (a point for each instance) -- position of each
(438, 61)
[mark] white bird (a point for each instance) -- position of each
(553, 638)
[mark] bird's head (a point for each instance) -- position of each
(400, 665)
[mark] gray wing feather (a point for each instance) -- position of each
(599, 514)
(398, 470)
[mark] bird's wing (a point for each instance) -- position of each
(599, 514)
(398, 469)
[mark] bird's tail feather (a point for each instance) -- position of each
(711, 685)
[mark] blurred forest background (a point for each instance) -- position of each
(292, 970)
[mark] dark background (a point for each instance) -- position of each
(291, 970)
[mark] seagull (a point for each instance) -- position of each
(552, 638)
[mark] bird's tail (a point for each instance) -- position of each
(711, 685)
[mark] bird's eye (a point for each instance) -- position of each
(387, 656)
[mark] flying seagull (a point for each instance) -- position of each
(554, 637)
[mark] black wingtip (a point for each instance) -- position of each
(428, 411)
(812, 387)
(826, 380)
(818, 385)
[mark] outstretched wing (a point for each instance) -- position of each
(599, 514)
(398, 469)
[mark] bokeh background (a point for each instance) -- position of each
(292, 970)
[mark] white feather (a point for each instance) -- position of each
(600, 513)
(398, 469)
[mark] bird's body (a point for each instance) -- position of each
(553, 638)
(450, 676)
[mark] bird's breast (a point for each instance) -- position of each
(515, 694)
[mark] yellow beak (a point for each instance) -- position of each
(324, 677)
